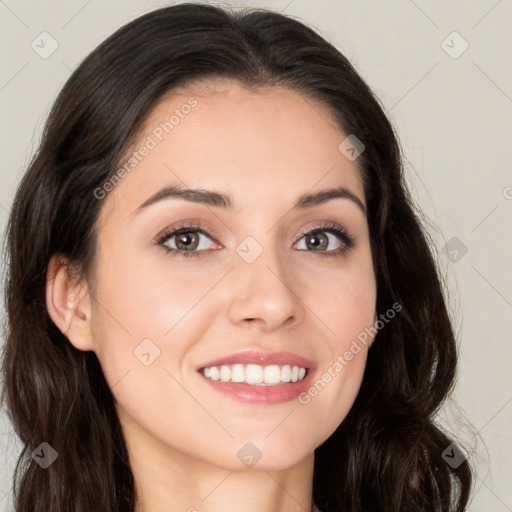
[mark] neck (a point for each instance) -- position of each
(195, 488)
(169, 480)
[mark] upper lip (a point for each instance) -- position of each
(261, 358)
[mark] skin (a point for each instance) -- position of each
(265, 149)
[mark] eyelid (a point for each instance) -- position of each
(187, 225)
(347, 239)
(336, 229)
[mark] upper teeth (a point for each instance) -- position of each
(255, 374)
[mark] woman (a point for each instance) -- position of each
(220, 296)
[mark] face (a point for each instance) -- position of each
(253, 282)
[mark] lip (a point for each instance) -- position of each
(261, 358)
(268, 395)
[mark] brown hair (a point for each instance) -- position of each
(386, 455)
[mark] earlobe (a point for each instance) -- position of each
(68, 303)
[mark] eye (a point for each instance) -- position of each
(185, 240)
(319, 238)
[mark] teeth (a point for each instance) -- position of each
(286, 373)
(254, 374)
(237, 373)
(272, 374)
(225, 374)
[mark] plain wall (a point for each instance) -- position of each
(453, 116)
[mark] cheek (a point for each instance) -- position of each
(151, 297)
(149, 315)
(344, 303)
(344, 299)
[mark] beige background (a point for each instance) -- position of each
(453, 116)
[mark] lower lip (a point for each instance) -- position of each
(246, 393)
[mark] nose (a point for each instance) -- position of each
(262, 293)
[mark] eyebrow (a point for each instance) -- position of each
(219, 200)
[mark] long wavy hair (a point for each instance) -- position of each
(386, 455)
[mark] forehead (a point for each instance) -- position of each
(263, 147)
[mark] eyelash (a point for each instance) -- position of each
(347, 240)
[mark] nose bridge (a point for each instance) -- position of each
(262, 289)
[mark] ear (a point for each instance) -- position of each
(69, 303)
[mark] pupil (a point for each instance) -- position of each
(315, 241)
(185, 240)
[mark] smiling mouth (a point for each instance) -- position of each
(255, 374)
